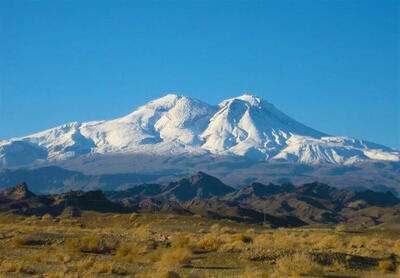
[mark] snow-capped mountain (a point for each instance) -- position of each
(242, 126)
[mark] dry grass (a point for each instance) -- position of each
(11, 266)
(386, 266)
(147, 245)
(20, 240)
(106, 268)
(209, 242)
(341, 228)
(243, 238)
(84, 264)
(225, 230)
(46, 217)
(61, 274)
(296, 265)
(182, 240)
(173, 258)
(252, 272)
(15, 266)
(129, 251)
(90, 244)
(216, 229)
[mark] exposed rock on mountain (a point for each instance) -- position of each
(259, 190)
(20, 200)
(143, 190)
(202, 194)
(314, 202)
(308, 203)
(15, 193)
(200, 186)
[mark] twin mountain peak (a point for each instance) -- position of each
(244, 126)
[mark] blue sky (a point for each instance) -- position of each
(333, 65)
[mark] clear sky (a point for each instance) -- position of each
(333, 65)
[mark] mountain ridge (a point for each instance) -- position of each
(279, 205)
(244, 126)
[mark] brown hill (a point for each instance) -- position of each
(20, 200)
(318, 203)
(258, 190)
(197, 186)
(202, 194)
(218, 209)
(18, 192)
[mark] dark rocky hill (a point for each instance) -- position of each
(197, 186)
(202, 194)
(20, 200)
(16, 193)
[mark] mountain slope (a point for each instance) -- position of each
(309, 203)
(199, 185)
(177, 125)
(18, 192)
(201, 194)
(318, 203)
(22, 201)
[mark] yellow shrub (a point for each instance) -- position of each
(378, 244)
(142, 233)
(181, 239)
(18, 241)
(107, 268)
(251, 231)
(11, 266)
(341, 228)
(215, 228)
(46, 217)
(133, 216)
(166, 274)
(129, 251)
(396, 247)
(264, 240)
(209, 242)
(92, 243)
(329, 242)
(357, 242)
(84, 264)
(296, 265)
(61, 275)
(72, 245)
(225, 230)
(243, 238)
(173, 257)
(155, 256)
(253, 273)
(54, 275)
(386, 265)
(14, 266)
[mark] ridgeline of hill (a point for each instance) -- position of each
(200, 194)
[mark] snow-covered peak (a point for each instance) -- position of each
(251, 100)
(165, 102)
(242, 126)
(160, 104)
(249, 126)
